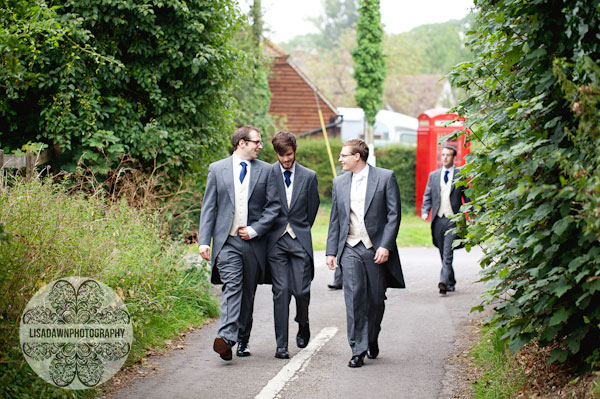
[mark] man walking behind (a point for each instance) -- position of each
(364, 222)
(444, 199)
(289, 248)
(236, 215)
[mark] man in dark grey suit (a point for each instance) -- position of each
(289, 248)
(444, 199)
(236, 214)
(364, 222)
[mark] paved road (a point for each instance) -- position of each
(418, 333)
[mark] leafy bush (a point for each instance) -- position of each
(403, 161)
(534, 105)
(152, 79)
(52, 235)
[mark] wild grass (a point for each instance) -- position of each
(50, 234)
(501, 374)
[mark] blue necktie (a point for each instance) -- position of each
(446, 177)
(287, 175)
(243, 171)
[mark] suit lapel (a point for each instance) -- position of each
(345, 184)
(372, 182)
(297, 187)
(227, 176)
(280, 184)
(437, 182)
(254, 175)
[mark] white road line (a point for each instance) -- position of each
(296, 364)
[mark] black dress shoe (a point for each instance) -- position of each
(243, 350)
(282, 353)
(303, 336)
(451, 288)
(334, 286)
(357, 360)
(443, 288)
(223, 348)
(373, 350)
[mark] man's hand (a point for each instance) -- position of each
(330, 262)
(382, 255)
(243, 232)
(205, 253)
(424, 216)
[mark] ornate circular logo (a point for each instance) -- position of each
(76, 333)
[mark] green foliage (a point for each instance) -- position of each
(252, 87)
(369, 61)
(403, 161)
(53, 235)
(534, 105)
(439, 47)
(151, 79)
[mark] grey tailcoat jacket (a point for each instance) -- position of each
(432, 196)
(382, 218)
(218, 208)
(302, 210)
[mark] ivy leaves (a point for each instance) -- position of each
(533, 106)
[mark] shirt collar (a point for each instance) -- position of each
(451, 169)
(237, 160)
(363, 173)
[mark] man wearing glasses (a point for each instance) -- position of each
(237, 212)
(364, 222)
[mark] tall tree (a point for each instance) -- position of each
(369, 63)
(338, 15)
(256, 14)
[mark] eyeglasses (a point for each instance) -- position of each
(345, 155)
(257, 142)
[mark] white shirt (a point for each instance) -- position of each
(288, 195)
(358, 193)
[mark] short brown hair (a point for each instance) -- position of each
(358, 146)
(242, 133)
(282, 141)
(451, 148)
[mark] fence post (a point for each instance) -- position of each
(29, 165)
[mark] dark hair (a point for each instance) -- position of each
(358, 147)
(451, 148)
(242, 133)
(282, 141)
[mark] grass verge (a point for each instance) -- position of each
(50, 235)
(501, 376)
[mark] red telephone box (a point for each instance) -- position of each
(433, 125)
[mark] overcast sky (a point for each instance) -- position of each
(287, 18)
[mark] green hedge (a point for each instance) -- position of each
(312, 153)
(403, 161)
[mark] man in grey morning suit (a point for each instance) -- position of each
(364, 222)
(237, 216)
(444, 199)
(289, 248)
